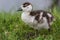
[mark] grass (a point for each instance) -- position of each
(13, 28)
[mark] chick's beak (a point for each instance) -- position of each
(19, 9)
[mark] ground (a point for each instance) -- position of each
(13, 28)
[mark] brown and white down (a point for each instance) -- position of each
(37, 19)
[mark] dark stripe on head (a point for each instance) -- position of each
(26, 4)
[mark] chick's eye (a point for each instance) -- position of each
(24, 6)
